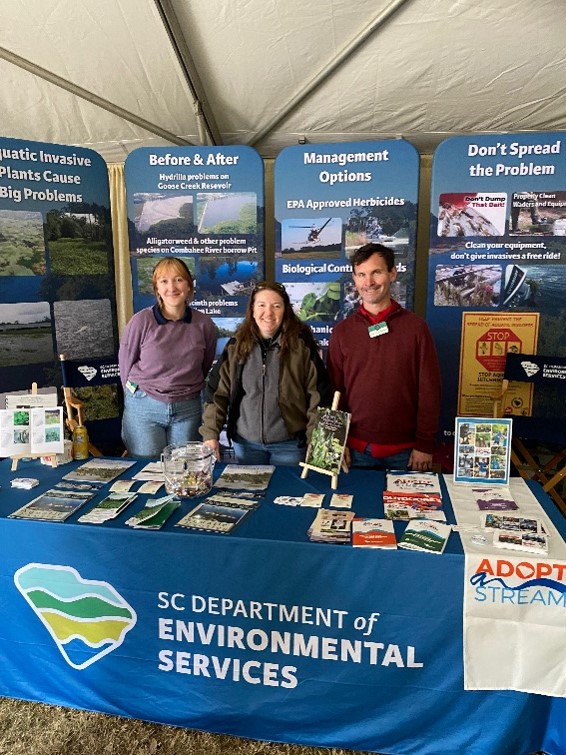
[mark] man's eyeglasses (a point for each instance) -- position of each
(270, 284)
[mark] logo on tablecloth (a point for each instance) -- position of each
(86, 618)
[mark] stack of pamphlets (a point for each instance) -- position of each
(373, 533)
(413, 495)
(331, 526)
(425, 535)
(99, 470)
(154, 514)
(109, 508)
(54, 505)
(25, 483)
(516, 532)
(245, 477)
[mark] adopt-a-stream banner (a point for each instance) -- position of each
(514, 593)
(204, 205)
(330, 199)
(496, 267)
(57, 290)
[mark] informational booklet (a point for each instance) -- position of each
(423, 501)
(425, 535)
(412, 482)
(54, 505)
(237, 498)
(31, 431)
(109, 508)
(328, 440)
(245, 477)
(406, 512)
(373, 533)
(494, 498)
(214, 517)
(99, 470)
(154, 514)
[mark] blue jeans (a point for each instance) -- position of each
(286, 453)
(397, 461)
(149, 425)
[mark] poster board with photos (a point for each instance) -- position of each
(482, 450)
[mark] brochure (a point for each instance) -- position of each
(109, 508)
(245, 477)
(31, 431)
(99, 470)
(425, 535)
(397, 511)
(373, 533)
(494, 499)
(530, 542)
(510, 523)
(214, 517)
(54, 505)
(412, 482)
(154, 515)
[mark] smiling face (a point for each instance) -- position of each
(173, 291)
(373, 282)
(268, 311)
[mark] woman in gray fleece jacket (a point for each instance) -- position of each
(267, 383)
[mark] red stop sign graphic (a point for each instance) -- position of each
(492, 348)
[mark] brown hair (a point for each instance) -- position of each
(180, 268)
(291, 327)
(368, 250)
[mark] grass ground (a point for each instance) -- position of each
(37, 729)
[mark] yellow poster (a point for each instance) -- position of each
(486, 339)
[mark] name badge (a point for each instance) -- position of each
(132, 387)
(380, 329)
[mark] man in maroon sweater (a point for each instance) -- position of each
(383, 361)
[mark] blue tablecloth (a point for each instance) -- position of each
(259, 634)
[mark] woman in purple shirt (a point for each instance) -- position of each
(165, 354)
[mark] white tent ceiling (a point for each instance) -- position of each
(114, 75)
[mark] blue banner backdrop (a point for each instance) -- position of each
(206, 206)
(331, 199)
(497, 248)
(57, 290)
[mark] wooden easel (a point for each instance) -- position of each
(334, 475)
(16, 457)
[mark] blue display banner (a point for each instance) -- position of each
(57, 291)
(498, 249)
(260, 634)
(206, 206)
(330, 199)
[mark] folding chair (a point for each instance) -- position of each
(544, 425)
(93, 397)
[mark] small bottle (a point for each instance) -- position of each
(80, 442)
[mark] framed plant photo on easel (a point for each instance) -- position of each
(482, 450)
